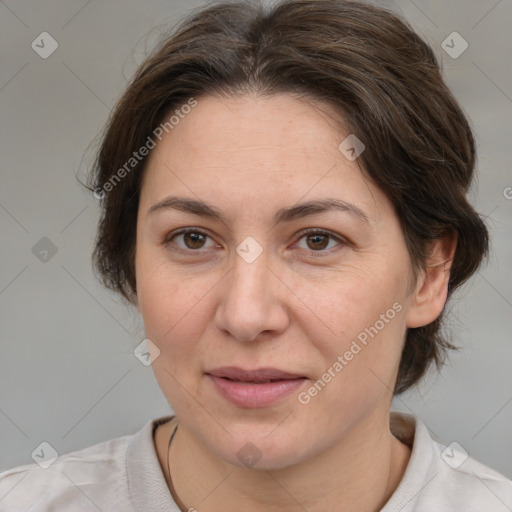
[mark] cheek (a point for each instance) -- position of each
(172, 307)
(345, 303)
(167, 301)
(364, 309)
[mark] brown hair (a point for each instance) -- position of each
(367, 63)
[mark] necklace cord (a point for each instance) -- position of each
(175, 497)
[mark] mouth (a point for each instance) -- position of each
(262, 375)
(254, 388)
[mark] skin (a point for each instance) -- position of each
(291, 309)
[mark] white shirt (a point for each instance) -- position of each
(124, 475)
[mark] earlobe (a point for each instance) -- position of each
(429, 296)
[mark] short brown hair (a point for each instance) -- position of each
(370, 66)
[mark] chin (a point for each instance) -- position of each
(261, 452)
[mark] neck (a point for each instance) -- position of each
(360, 472)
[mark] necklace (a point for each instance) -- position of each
(175, 497)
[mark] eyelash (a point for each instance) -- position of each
(300, 235)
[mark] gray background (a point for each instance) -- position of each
(67, 370)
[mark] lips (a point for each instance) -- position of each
(254, 388)
(257, 376)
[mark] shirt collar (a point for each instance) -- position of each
(413, 432)
(146, 482)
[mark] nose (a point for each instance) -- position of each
(252, 301)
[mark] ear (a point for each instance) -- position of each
(431, 291)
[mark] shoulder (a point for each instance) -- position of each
(84, 480)
(458, 480)
(444, 478)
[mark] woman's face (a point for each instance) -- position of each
(247, 289)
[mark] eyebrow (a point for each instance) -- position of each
(297, 211)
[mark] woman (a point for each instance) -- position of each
(283, 197)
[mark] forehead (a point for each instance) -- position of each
(279, 126)
(261, 150)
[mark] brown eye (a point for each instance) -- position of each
(317, 242)
(194, 240)
(189, 240)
